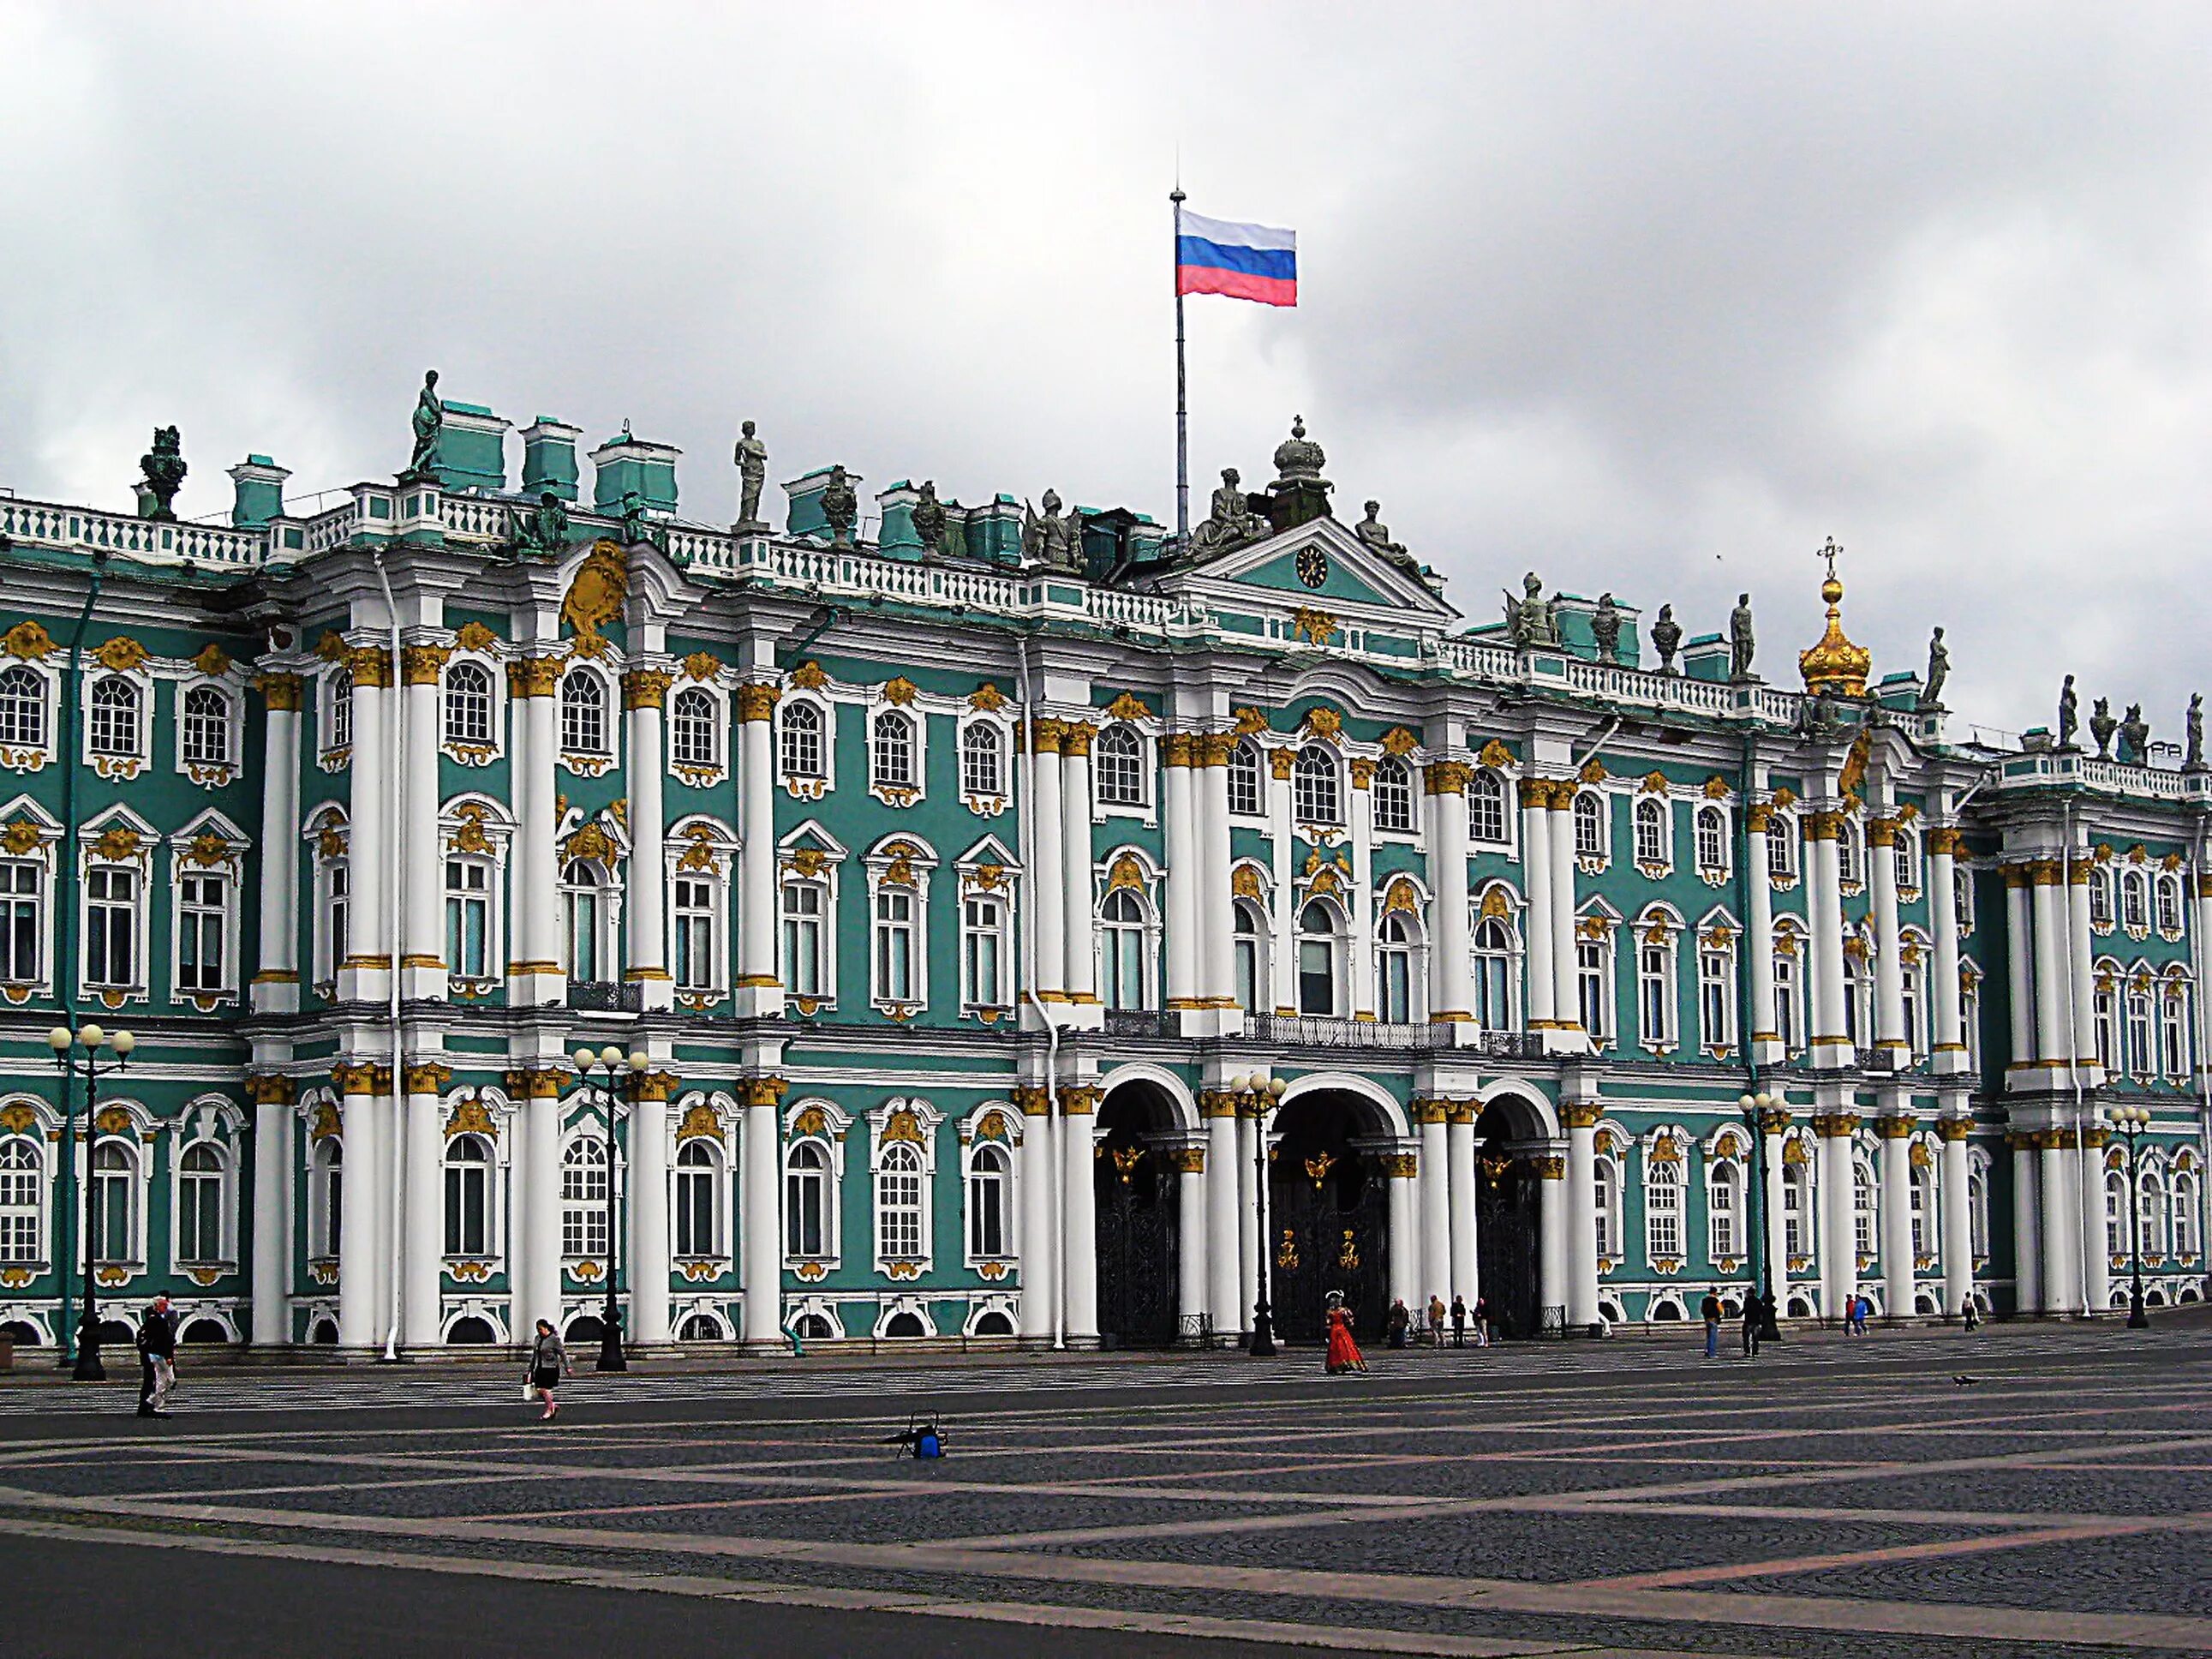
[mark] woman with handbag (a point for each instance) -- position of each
(549, 1363)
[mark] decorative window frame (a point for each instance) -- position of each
(1127, 715)
(996, 1124)
(810, 855)
(1496, 900)
(1653, 791)
(331, 755)
(124, 1122)
(29, 832)
(819, 1122)
(700, 844)
(207, 1120)
(900, 862)
(487, 1113)
(1131, 868)
(1851, 850)
(1667, 1145)
(28, 645)
(1253, 749)
(1659, 924)
(1801, 1152)
(711, 1117)
(583, 1122)
(117, 769)
(1962, 896)
(25, 1117)
(328, 832)
(1719, 934)
(1407, 895)
(1792, 939)
(583, 764)
(212, 670)
(1924, 1179)
(987, 714)
(1599, 863)
(1596, 922)
(210, 843)
(904, 1119)
(1500, 775)
(899, 697)
(1317, 828)
(1728, 1155)
(1412, 834)
(988, 870)
(597, 838)
(476, 826)
(1866, 1178)
(808, 694)
(1781, 818)
(1713, 875)
(118, 839)
(2165, 885)
(1910, 857)
(1916, 961)
(474, 646)
(2103, 899)
(710, 684)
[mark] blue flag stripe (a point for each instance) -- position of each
(1279, 264)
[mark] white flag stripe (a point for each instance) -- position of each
(1225, 233)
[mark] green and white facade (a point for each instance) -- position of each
(949, 893)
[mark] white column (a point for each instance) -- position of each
(1555, 1287)
(1079, 910)
(1888, 967)
(2059, 1274)
(1765, 1033)
(2020, 960)
(1894, 1127)
(2046, 902)
(423, 1260)
(541, 1179)
(1048, 889)
(760, 989)
(535, 971)
(1773, 1123)
(649, 1249)
(276, 982)
(368, 911)
(761, 1257)
(645, 899)
(2026, 1224)
(1449, 998)
(1033, 1187)
(272, 1208)
(1186, 875)
(1366, 995)
(1824, 901)
(1217, 937)
(1947, 1037)
(1435, 1199)
(362, 1195)
(421, 863)
(1459, 1146)
(1224, 1239)
(1400, 1169)
(2070, 1199)
(1284, 958)
(1958, 1206)
(1566, 1006)
(1839, 1266)
(2078, 944)
(1536, 873)
(2096, 1259)
(1080, 1213)
(1582, 1219)
(1192, 1265)
(1247, 1210)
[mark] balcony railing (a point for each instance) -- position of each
(605, 997)
(1136, 1022)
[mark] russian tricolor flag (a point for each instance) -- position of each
(1245, 261)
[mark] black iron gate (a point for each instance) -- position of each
(1327, 1224)
(1135, 1188)
(1505, 1233)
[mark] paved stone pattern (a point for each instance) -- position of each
(2043, 1491)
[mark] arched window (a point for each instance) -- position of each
(1789, 990)
(807, 1210)
(1485, 807)
(898, 1203)
(1912, 976)
(113, 729)
(893, 752)
(468, 703)
(1866, 1230)
(586, 905)
(698, 1199)
(1251, 945)
(1977, 1215)
(325, 1199)
(1925, 1217)
(1797, 1234)
(695, 729)
(114, 1202)
(584, 1198)
(2105, 1014)
(1712, 840)
(1314, 791)
(2186, 1236)
(1393, 796)
(2100, 897)
(2169, 903)
(982, 771)
(802, 740)
(1651, 831)
(584, 712)
(22, 1174)
(1662, 1208)
(341, 690)
(1781, 849)
(1492, 985)
(1117, 762)
(200, 1204)
(1589, 826)
(1855, 994)
(1608, 1209)
(1906, 853)
(1244, 778)
(1125, 950)
(1399, 969)
(988, 1179)
(468, 1196)
(1594, 988)
(2116, 1213)
(2153, 1214)
(1724, 1208)
(2135, 902)
(1321, 960)
(22, 709)
(205, 737)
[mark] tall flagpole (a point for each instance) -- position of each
(1182, 417)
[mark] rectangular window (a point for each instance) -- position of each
(340, 884)
(20, 929)
(201, 908)
(1589, 985)
(1716, 998)
(894, 946)
(1656, 993)
(695, 933)
(1663, 1212)
(802, 939)
(982, 984)
(111, 944)
(468, 917)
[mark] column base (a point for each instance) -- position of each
(537, 990)
(758, 1001)
(275, 996)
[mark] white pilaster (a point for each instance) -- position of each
(361, 976)
(1839, 1248)
(1536, 871)
(2060, 1275)
(1435, 1199)
(1047, 887)
(644, 913)
(1554, 1219)
(760, 1153)
(2026, 1224)
(1830, 1045)
(423, 1262)
(1765, 1036)
(1400, 1169)
(420, 861)
(273, 1211)
(1185, 876)
(1192, 1264)
(2079, 945)
(2019, 968)
(276, 980)
(1366, 994)
(1459, 1145)
(2089, 1182)
(1079, 1214)
(760, 988)
(1079, 909)
(1224, 1293)
(1217, 940)
(1033, 1188)
(1284, 957)
(649, 1249)
(1449, 998)
(1582, 1222)
(1249, 1138)
(1957, 1205)
(1888, 966)
(1566, 1006)
(537, 975)
(363, 1199)
(1773, 1123)
(541, 1235)
(2046, 905)
(1894, 1127)
(1946, 1035)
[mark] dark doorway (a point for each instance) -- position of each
(1505, 1223)
(1134, 1186)
(1328, 1220)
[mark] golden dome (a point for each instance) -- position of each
(1835, 663)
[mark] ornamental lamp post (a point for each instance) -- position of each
(1754, 1108)
(2133, 1120)
(1266, 1091)
(613, 1060)
(91, 1039)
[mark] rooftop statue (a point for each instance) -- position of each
(840, 507)
(1532, 620)
(1048, 538)
(2135, 737)
(751, 458)
(1939, 670)
(1605, 625)
(2070, 714)
(1229, 518)
(2102, 726)
(164, 468)
(1373, 532)
(2193, 759)
(637, 528)
(430, 420)
(542, 529)
(929, 518)
(1742, 641)
(1666, 638)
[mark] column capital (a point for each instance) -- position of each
(533, 677)
(1216, 1102)
(1034, 1101)
(1892, 1126)
(281, 692)
(534, 1083)
(1446, 777)
(1363, 772)
(1551, 1166)
(427, 1077)
(655, 1085)
(1400, 1166)
(1835, 1125)
(1081, 1101)
(355, 1078)
(646, 688)
(370, 665)
(1188, 1160)
(1774, 1120)
(1954, 1129)
(2095, 1136)
(1075, 737)
(1822, 826)
(1280, 761)
(269, 1089)
(1429, 1108)
(758, 702)
(1212, 747)
(423, 665)
(1581, 1114)
(1946, 841)
(1177, 747)
(766, 1090)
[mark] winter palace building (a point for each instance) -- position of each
(958, 868)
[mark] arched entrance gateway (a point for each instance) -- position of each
(1328, 1215)
(1133, 1176)
(1508, 1139)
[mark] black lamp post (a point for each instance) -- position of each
(611, 1059)
(1263, 1091)
(2133, 1120)
(91, 1039)
(1754, 1108)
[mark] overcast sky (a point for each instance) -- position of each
(1651, 298)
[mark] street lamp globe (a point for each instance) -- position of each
(584, 1059)
(610, 1056)
(639, 1061)
(1763, 1100)
(60, 1039)
(1239, 1084)
(91, 1036)
(1276, 1086)
(123, 1043)
(1746, 1103)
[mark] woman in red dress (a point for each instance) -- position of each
(1343, 1352)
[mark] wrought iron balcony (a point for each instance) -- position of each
(605, 997)
(1137, 1023)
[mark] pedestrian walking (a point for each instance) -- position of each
(549, 1363)
(1395, 1327)
(1862, 1305)
(1343, 1353)
(1459, 1321)
(1709, 1311)
(1970, 1314)
(157, 1358)
(1436, 1319)
(1751, 1315)
(1482, 1321)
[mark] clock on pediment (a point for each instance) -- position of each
(1313, 566)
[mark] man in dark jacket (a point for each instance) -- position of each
(157, 1357)
(1709, 1311)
